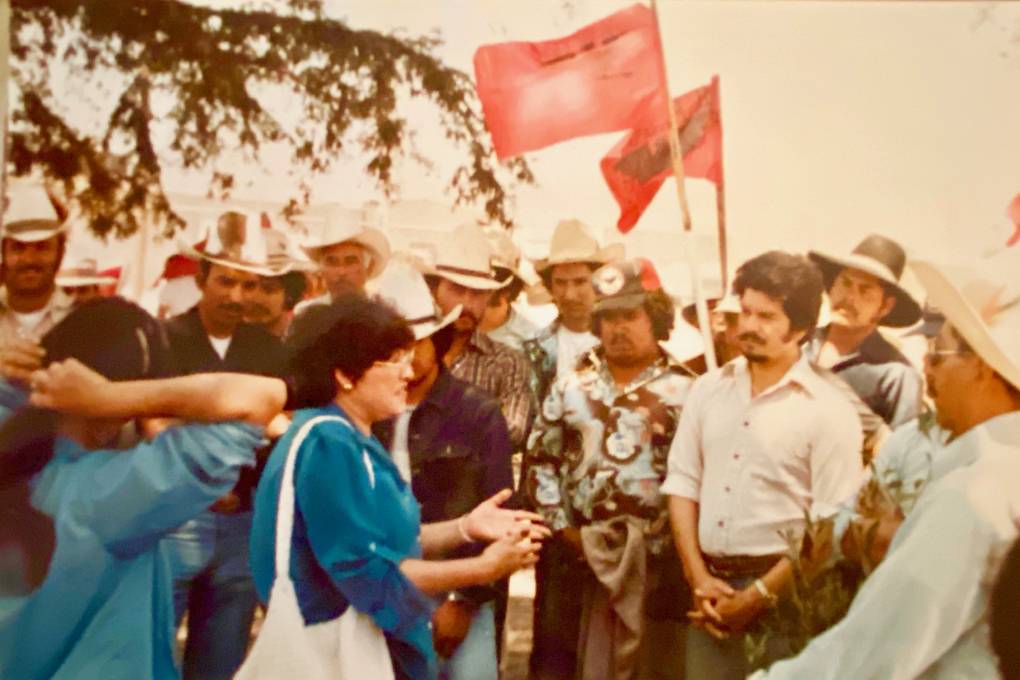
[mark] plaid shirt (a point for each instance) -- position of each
(503, 373)
(599, 451)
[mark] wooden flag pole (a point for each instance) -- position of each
(720, 197)
(676, 154)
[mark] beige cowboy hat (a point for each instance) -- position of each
(884, 259)
(982, 303)
(573, 241)
(505, 253)
(85, 272)
(282, 256)
(237, 240)
(362, 226)
(466, 259)
(728, 304)
(32, 213)
(404, 289)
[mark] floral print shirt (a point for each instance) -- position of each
(598, 451)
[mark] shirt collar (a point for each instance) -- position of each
(595, 359)
(481, 343)
(801, 373)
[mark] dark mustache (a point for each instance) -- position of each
(232, 307)
(30, 268)
(846, 307)
(257, 310)
(749, 335)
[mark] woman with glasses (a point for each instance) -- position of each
(357, 540)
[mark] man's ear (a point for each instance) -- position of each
(887, 306)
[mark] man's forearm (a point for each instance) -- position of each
(683, 516)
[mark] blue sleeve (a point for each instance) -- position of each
(133, 497)
(496, 454)
(343, 517)
(11, 399)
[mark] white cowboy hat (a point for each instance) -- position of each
(983, 304)
(573, 241)
(83, 273)
(884, 259)
(32, 213)
(282, 257)
(404, 289)
(363, 226)
(237, 240)
(466, 260)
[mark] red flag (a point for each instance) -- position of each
(605, 77)
(640, 162)
(1013, 211)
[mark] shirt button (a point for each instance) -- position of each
(747, 423)
(726, 489)
(721, 523)
(736, 456)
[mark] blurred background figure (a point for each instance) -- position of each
(82, 281)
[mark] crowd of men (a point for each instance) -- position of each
(672, 490)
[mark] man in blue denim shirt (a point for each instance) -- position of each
(454, 447)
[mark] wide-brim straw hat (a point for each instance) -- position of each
(505, 253)
(465, 258)
(282, 256)
(32, 213)
(573, 241)
(403, 288)
(884, 259)
(982, 302)
(238, 241)
(83, 273)
(362, 226)
(728, 304)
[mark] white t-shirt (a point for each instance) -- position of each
(221, 345)
(569, 348)
(401, 454)
(28, 322)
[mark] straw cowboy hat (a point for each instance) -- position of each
(83, 273)
(505, 253)
(573, 241)
(282, 256)
(466, 259)
(404, 289)
(362, 226)
(728, 304)
(32, 213)
(236, 240)
(884, 259)
(983, 304)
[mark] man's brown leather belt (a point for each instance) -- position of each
(740, 566)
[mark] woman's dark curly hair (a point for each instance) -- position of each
(350, 334)
(659, 307)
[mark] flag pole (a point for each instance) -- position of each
(720, 197)
(676, 154)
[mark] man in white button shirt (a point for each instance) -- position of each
(762, 441)
(923, 613)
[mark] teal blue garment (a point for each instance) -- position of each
(105, 608)
(356, 521)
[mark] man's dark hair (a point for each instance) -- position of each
(546, 274)
(1005, 611)
(442, 340)
(510, 291)
(204, 267)
(659, 307)
(350, 334)
(294, 286)
(792, 280)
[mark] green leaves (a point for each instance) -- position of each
(223, 70)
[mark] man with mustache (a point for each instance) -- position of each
(463, 275)
(212, 579)
(763, 442)
(269, 301)
(595, 462)
(864, 293)
(32, 240)
(574, 253)
(924, 612)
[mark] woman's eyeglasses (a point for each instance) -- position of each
(401, 360)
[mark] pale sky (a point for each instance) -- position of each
(839, 119)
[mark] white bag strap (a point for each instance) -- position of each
(286, 508)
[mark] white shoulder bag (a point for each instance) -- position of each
(350, 647)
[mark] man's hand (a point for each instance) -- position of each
(67, 386)
(450, 625)
(488, 522)
(19, 358)
(708, 592)
(741, 609)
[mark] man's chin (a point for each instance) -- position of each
(754, 357)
